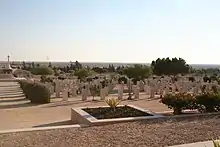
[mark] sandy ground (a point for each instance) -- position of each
(19, 113)
(139, 134)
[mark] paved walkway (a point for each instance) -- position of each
(19, 113)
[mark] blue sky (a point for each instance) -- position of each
(110, 30)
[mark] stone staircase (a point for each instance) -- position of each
(10, 89)
(11, 95)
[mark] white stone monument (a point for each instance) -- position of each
(120, 91)
(102, 93)
(65, 95)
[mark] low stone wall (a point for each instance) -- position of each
(79, 116)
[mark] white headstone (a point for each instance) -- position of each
(102, 93)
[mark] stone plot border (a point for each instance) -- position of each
(197, 144)
(79, 116)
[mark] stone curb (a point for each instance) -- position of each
(39, 129)
(196, 144)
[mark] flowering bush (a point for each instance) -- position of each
(179, 102)
(210, 101)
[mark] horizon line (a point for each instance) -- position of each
(110, 62)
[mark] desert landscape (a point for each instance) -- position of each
(46, 100)
(109, 73)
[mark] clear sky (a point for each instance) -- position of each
(110, 30)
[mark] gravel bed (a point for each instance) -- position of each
(139, 134)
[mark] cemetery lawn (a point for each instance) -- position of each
(119, 112)
(145, 133)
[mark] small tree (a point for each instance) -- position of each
(167, 66)
(82, 73)
(136, 72)
(50, 65)
(99, 70)
(94, 91)
(42, 71)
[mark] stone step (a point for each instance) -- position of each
(9, 86)
(11, 100)
(12, 96)
(10, 93)
(6, 85)
(11, 90)
(2, 81)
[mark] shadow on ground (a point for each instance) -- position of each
(26, 104)
(67, 103)
(60, 123)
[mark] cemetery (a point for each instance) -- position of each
(125, 97)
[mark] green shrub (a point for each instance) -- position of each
(24, 85)
(214, 78)
(82, 73)
(42, 71)
(179, 102)
(214, 89)
(206, 79)
(209, 100)
(35, 92)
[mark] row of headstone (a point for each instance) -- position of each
(151, 86)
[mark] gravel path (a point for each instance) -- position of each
(138, 134)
